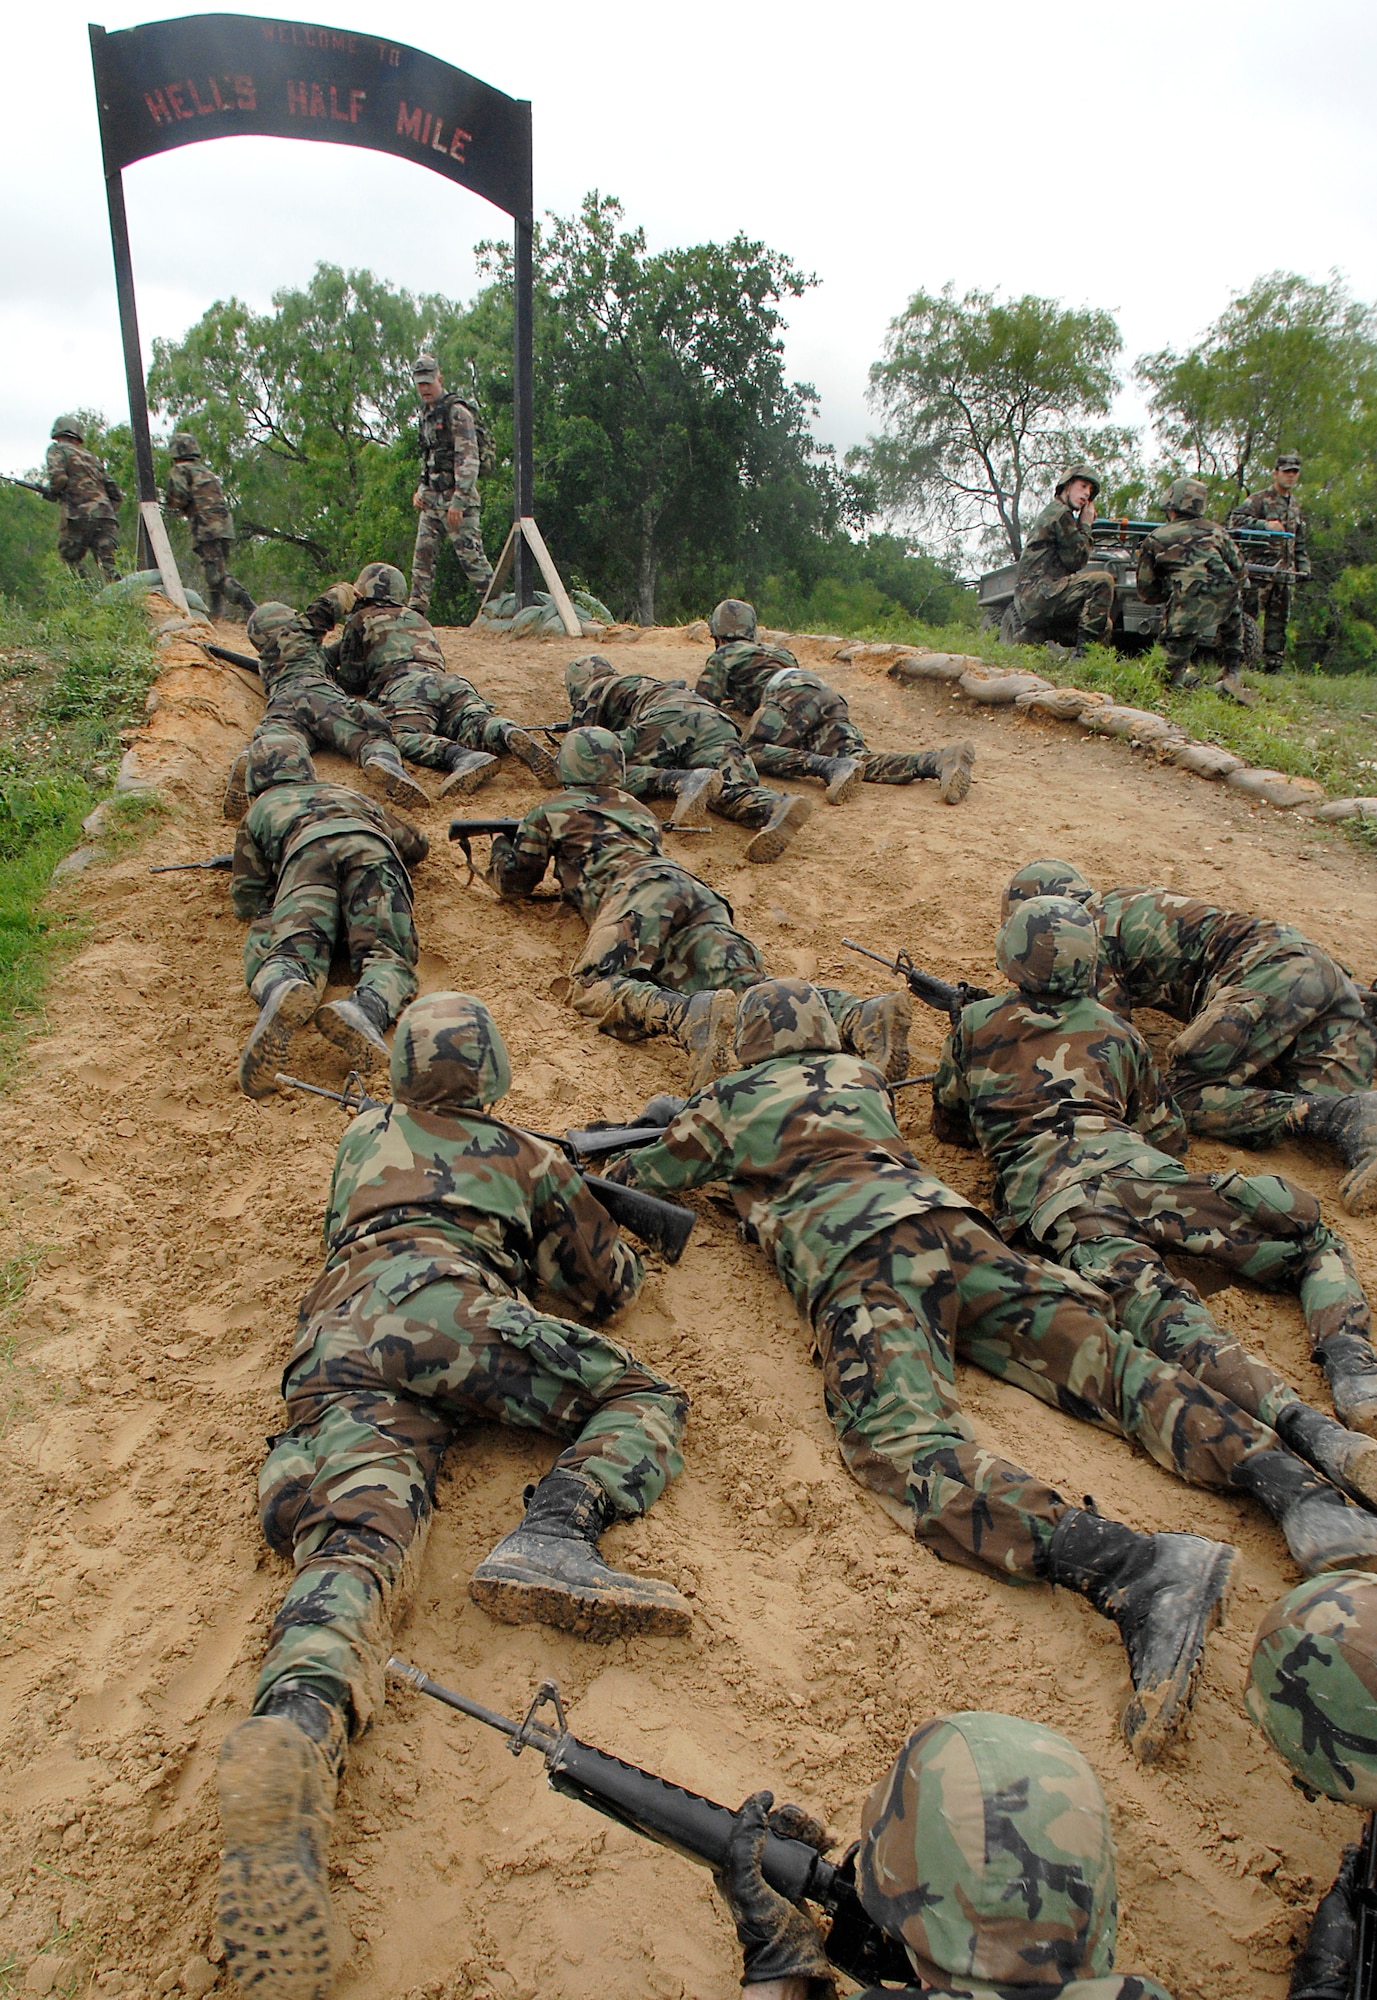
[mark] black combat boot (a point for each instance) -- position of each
(1324, 1964)
(1350, 1366)
(355, 1024)
(784, 822)
(843, 777)
(518, 742)
(381, 763)
(1166, 1594)
(288, 1005)
(1350, 1125)
(468, 769)
(1322, 1531)
(1346, 1457)
(278, 1776)
(548, 1571)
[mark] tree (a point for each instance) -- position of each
(982, 402)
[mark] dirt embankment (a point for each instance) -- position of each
(176, 1225)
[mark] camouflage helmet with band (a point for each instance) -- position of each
(1047, 877)
(268, 622)
(425, 368)
(987, 1848)
(184, 445)
(448, 1055)
(581, 674)
(1312, 1684)
(782, 1017)
(1288, 461)
(277, 757)
(733, 619)
(69, 427)
(381, 583)
(1049, 946)
(591, 757)
(1080, 471)
(1186, 497)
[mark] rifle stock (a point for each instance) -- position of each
(27, 484)
(463, 830)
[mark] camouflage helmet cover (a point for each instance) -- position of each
(425, 368)
(733, 619)
(1312, 1684)
(987, 1848)
(277, 757)
(381, 583)
(1186, 497)
(184, 445)
(593, 758)
(580, 675)
(448, 1055)
(781, 1017)
(1078, 471)
(69, 427)
(1046, 877)
(1049, 945)
(267, 622)
(1288, 461)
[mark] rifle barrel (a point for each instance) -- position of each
(402, 1670)
(866, 952)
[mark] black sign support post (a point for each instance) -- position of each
(209, 76)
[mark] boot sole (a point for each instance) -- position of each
(264, 1055)
(771, 841)
(1341, 1547)
(537, 760)
(1358, 1190)
(1152, 1719)
(717, 1055)
(956, 783)
(361, 1052)
(841, 793)
(273, 1910)
(459, 784)
(601, 1614)
(398, 791)
(694, 810)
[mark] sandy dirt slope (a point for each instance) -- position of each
(176, 1225)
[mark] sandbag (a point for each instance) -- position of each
(1276, 788)
(931, 666)
(1337, 809)
(1061, 704)
(1140, 725)
(999, 689)
(1206, 760)
(139, 582)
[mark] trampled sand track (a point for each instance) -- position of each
(179, 1226)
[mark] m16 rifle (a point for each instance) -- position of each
(664, 1225)
(247, 661)
(464, 830)
(689, 1824)
(222, 862)
(936, 993)
(28, 486)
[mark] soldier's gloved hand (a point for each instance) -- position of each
(778, 1940)
(663, 1110)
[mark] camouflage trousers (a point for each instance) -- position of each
(1284, 1019)
(346, 888)
(699, 736)
(432, 529)
(80, 535)
(213, 556)
(887, 1330)
(796, 724)
(377, 1389)
(660, 924)
(1275, 607)
(1047, 609)
(1258, 1226)
(1203, 613)
(321, 714)
(429, 712)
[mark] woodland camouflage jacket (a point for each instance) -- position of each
(195, 491)
(593, 838)
(1057, 546)
(1158, 949)
(286, 818)
(1273, 505)
(1054, 1092)
(295, 653)
(378, 641)
(736, 674)
(1187, 554)
(633, 706)
(80, 482)
(815, 1162)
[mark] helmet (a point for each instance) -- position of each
(425, 368)
(1312, 1685)
(184, 445)
(987, 1848)
(1081, 471)
(448, 1055)
(733, 619)
(1049, 945)
(1288, 461)
(781, 1017)
(1045, 878)
(1188, 497)
(69, 427)
(580, 675)
(277, 757)
(380, 583)
(591, 757)
(268, 622)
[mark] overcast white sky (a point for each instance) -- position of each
(1150, 162)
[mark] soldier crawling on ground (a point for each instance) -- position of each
(663, 956)
(1065, 1100)
(1193, 566)
(1276, 507)
(195, 492)
(447, 497)
(799, 727)
(1053, 587)
(316, 865)
(88, 497)
(388, 653)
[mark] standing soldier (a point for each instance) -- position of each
(195, 492)
(1053, 584)
(452, 456)
(88, 497)
(1278, 507)
(1193, 566)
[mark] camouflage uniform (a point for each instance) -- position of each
(1063, 1097)
(315, 864)
(1194, 567)
(1272, 601)
(439, 1217)
(88, 498)
(195, 492)
(449, 480)
(301, 692)
(897, 1273)
(1052, 584)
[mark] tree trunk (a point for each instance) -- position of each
(646, 568)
